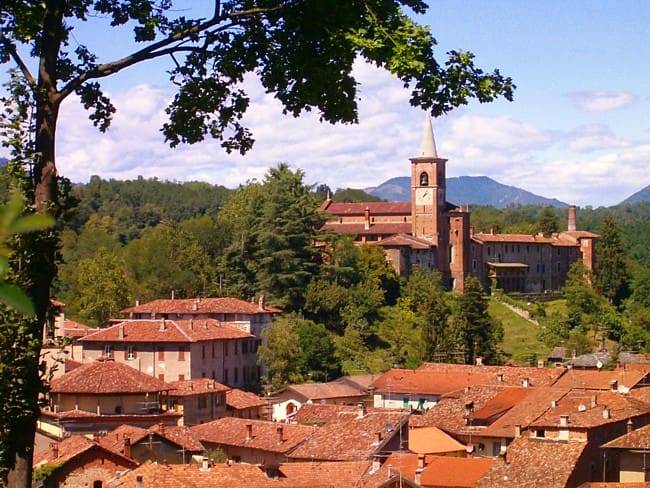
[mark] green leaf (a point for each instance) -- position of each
(31, 223)
(16, 298)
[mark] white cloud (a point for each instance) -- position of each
(589, 164)
(601, 101)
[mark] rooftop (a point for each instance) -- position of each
(165, 330)
(375, 208)
(197, 386)
(332, 389)
(241, 400)
(376, 228)
(350, 438)
(202, 305)
(263, 435)
(75, 329)
(426, 382)
(432, 440)
(399, 240)
(600, 380)
(70, 448)
(499, 375)
(637, 439)
(106, 377)
(456, 472)
(182, 437)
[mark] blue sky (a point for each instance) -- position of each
(578, 129)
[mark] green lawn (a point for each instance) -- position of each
(519, 337)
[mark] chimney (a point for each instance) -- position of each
(127, 447)
(163, 325)
(492, 230)
(173, 294)
(564, 420)
(500, 377)
(379, 437)
(138, 481)
(419, 469)
(553, 403)
(376, 463)
(280, 430)
(469, 407)
(420, 460)
(249, 432)
(593, 401)
(517, 430)
(606, 413)
(479, 361)
(614, 385)
(540, 363)
(120, 331)
(205, 464)
(366, 218)
(161, 428)
(571, 218)
(361, 410)
(471, 230)
(191, 324)
(629, 425)
(525, 382)
(137, 303)
(54, 449)
(195, 305)
(260, 302)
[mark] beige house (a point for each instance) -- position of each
(199, 400)
(177, 350)
(633, 452)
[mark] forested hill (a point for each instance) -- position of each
(642, 195)
(134, 205)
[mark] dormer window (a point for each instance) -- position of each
(424, 179)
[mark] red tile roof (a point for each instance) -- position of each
(376, 228)
(426, 382)
(167, 331)
(195, 387)
(600, 380)
(332, 389)
(241, 400)
(75, 329)
(182, 437)
(534, 462)
(232, 431)
(349, 438)
(72, 447)
(201, 306)
(501, 375)
(106, 377)
(321, 414)
(454, 472)
(583, 414)
(376, 208)
(322, 474)
(401, 464)
(637, 439)
(432, 440)
(520, 238)
(501, 403)
(399, 240)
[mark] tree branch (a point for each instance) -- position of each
(13, 52)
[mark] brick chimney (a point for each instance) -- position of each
(419, 469)
(564, 420)
(54, 449)
(195, 305)
(366, 218)
(120, 331)
(594, 401)
(163, 325)
(500, 377)
(525, 382)
(280, 431)
(629, 425)
(249, 432)
(614, 385)
(127, 447)
(571, 218)
(361, 410)
(260, 302)
(479, 361)
(517, 430)
(606, 413)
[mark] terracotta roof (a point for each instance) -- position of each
(599, 380)
(426, 382)
(529, 409)
(613, 484)
(583, 414)
(331, 389)
(241, 400)
(399, 240)
(501, 375)
(201, 306)
(167, 331)
(321, 414)
(523, 239)
(180, 436)
(456, 472)
(349, 438)
(376, 208)
(534, 462)
(578, 234)
(376, 228)
(400, 464)
(154, 475)
(450, 413)
(72, 447)
(432, 440)
(322, 474)
(69, 365)
(637, 439)
(232, 431)
(362, 381)
(642, 393)
(106, 377)
(195, 387)
(75, 329)
(500, 403)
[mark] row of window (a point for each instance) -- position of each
(131, 351)
(517, 248)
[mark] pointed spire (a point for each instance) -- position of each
(428, 148)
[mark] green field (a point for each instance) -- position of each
(519, 335)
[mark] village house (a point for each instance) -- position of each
(621, 380)
(245, 405)
(252, 441)
(78, 461)
(347, 390)
(101, 396)
(177, 350)
(632, 450)
(160, 443)
(198, 400)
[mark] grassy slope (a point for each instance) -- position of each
(520, 336)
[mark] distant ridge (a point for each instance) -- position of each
(477, 190)
(642, 195)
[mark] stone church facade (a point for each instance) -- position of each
(430, 232)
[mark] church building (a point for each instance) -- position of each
(430, 232)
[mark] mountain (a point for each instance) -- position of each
(477, 190)
(642, 195)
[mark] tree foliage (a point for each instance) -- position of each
(612, 278)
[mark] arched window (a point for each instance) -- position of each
(290, 408)
(424, 179)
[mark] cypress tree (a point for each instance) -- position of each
(548, 223)
(612, 277)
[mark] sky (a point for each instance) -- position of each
(578, 129)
